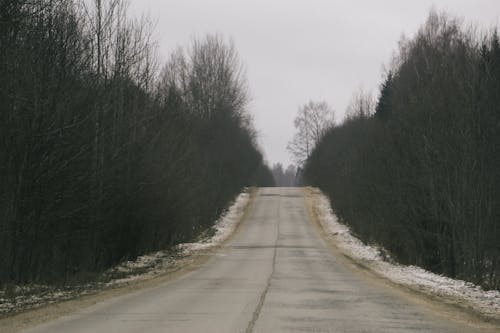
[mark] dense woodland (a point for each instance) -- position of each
(105, 153)
(419, 172)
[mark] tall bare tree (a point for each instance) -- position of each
(311, 123)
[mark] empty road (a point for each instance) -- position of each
(275, 275)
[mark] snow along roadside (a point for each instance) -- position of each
(223, 227)
(484, 302)
(20, 298)
(155, 263)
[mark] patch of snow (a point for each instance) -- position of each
(224, 226)
(155, 263)
(142, 268)
(486, 302)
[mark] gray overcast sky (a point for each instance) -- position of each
(296, 50)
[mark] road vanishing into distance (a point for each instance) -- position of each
(276, 274)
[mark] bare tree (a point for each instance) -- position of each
(312, 121)
(361, 106)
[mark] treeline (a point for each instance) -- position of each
(102, 155)
(420, 173)
(284, 177)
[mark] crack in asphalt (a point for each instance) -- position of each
(262, 298)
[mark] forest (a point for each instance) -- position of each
(417, 171)
(106, 151)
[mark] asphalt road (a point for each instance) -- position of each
(275, 275)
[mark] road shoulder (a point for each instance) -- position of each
(190, 262)
(446, 307)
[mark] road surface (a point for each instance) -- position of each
(275, 275)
